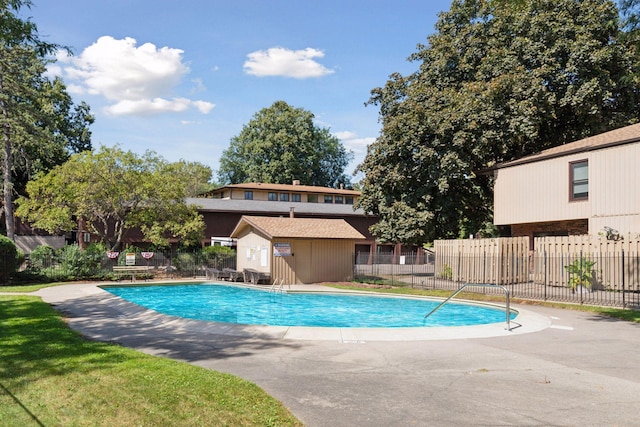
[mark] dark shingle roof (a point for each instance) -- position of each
(260, 206)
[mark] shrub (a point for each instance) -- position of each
(69, 262)
(81, 264)
(218, 256)
(44, 264)
(185, 262)
(20, 258)
(42, 257)
(9, 259)
(219, 251)
(580, 274)
(447, 272)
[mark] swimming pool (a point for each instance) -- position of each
(248, 306)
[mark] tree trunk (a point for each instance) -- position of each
(7, 186)
(119, 233)
(7, 182)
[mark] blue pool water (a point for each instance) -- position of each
(234, 304)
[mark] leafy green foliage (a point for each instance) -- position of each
(39, 124)
(42, 257)
(580, 273)
(218, 251)
(185, 261)
(446, 272)
(67, 263)
(629, 11)
(497, 81)
(112, 191)
(281, 144)
(79, 263)
(218, 256)
(9, 259)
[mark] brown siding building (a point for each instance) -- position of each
(223, 208)
(297, 250)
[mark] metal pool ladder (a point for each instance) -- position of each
(278, 287)
(482, 285)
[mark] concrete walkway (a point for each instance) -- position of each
(559, 368)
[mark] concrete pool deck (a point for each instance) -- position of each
(559, 368)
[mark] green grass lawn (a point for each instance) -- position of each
(29, 288)
(51, 376)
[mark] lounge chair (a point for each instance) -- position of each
(212, 273)
(232, 274)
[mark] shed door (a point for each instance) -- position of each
(297, 268)
(303, 266)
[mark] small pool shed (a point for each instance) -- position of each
(298, 250)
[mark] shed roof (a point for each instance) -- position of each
(624, 135)
(310, 228)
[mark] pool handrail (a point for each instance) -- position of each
(483, 285)
(278, 287)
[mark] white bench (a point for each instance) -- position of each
(125, 270)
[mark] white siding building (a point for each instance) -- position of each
(577, 188)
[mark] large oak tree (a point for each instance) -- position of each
(281, 144)
(498, 80)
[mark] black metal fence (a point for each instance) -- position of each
(595, 279)
(75, 264)
(413, 268)
(6, 264)
(583, 278)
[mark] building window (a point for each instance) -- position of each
(312, 198)
(248, 195)
(579, 180)
(348, 200)
(273, 197)
(328, 199)
(339, 200)
(295, 197)
(284, 197)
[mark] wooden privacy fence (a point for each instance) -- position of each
(508, 260)
(500, 261)
(615, 262)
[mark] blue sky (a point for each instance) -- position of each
(182, 78)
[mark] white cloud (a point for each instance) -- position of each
(53, 70)
(137, 80)
(75, 89)
(278, 61)
(353, 142)
(203, 106)
(198, 86)
(147, 106)
(345, 135)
